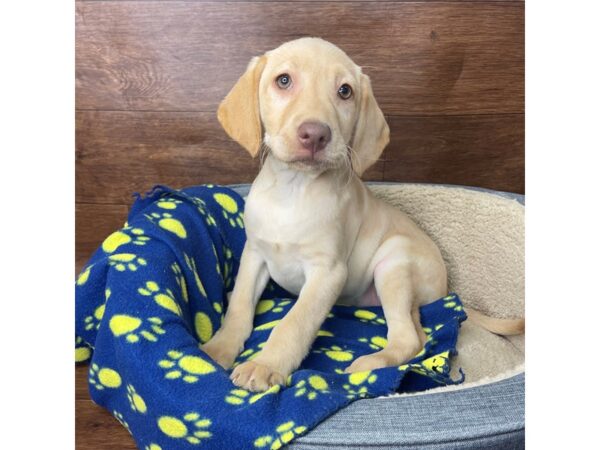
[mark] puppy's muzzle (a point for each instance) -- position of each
(314, 136)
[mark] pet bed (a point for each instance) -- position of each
(188, 429)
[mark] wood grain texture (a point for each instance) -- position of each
(423, 58)
(480, 150)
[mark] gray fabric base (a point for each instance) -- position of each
(490, 416)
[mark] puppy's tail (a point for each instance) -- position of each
(505, 327)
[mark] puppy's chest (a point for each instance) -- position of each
(289, 239)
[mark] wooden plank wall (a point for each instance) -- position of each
(448, 75)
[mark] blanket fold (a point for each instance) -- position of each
(157, 289)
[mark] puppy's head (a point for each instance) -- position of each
(310, 105)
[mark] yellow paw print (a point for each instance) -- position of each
(436, 363)
(240, 396)
(192, 428)
(284, 434)
(152, 446)
(187, 367)
(102, 378)
(168, 203)
(267, 326)
(368, 316)
(265, 306)
(192, 266)
(82, 353)
(376, 342)
(167, 222)
(121, 420)
(357, 384)
(129, 326)
(450, 302)
(316, 385)
(93, 321)
(201, 204)
(336, 353)
(203, 327)
(165, 298)
(84, 276)
(136, 401)
(124, 236)
(180, 279)
(126, 261)
(231, 211)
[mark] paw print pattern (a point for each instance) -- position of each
(167, 222)
(93, 322)
(450, 302)
(168, 203)
(357, 384)
(201, 204)
(136, 401)
(369, 317)
(265, 306)
(316, 385)
(165, 298)
(124, 236)
(192, 266)
(376, 342)
(231, 210)
(337, 353)
(84, 276)
(152, 446)
(180, 279)
(203, 326)
(121, 420)
(131, 328)
(284, 434)
(126, 261)
(187, 367)
(82, 351)
(104, 377)
(191, 427)
(240, 396)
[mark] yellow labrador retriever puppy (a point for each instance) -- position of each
(311, 224)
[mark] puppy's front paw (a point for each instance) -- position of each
(256, 377)
(221, 351)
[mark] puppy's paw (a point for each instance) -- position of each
(221, 351)
(374, 361)
(256, 377)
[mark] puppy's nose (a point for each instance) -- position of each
(314, 136)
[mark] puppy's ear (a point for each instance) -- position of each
(239, 113)
(372, 133)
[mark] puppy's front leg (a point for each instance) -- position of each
(291, 339)
(251, 280)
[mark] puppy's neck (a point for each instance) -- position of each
(286, 176)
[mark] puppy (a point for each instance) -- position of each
(311, 224)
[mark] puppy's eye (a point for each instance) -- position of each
(345, 91)
(284, 81)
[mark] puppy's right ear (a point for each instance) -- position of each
(239, 112)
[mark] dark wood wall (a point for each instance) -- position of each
(448, 75)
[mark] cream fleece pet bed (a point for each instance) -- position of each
(481, 237)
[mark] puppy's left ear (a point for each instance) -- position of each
(239, 112)
(371, 133)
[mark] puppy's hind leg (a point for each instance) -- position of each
(404, 340)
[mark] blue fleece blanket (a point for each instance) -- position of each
(157, 288)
